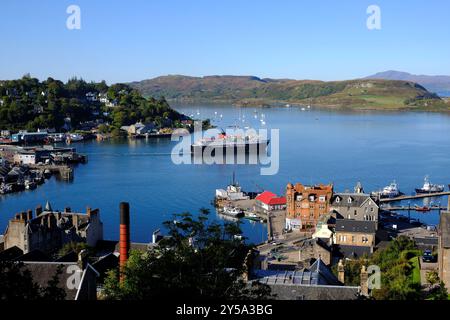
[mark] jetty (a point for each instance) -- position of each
(409, 208)
(64, 171)
(417, 196)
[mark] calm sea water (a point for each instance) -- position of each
(316, 146)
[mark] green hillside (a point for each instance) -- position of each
(364, 94)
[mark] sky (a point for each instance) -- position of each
(122, 41)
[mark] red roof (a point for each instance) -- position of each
(271, 199)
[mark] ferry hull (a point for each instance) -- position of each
(230, 149)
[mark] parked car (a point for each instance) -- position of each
(428, 256)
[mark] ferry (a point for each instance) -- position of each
(428, 187)
(247, 143)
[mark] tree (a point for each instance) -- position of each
(199, 259)
(16, 283)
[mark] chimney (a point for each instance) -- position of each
(364, 277)
(29, 215)
(341, 272)
(58, 216)
(75, 221)
(23, 216)
(67, 209)
(38, 210)
(124, 242)
(88, 211)
(17, 216)
(82, 259)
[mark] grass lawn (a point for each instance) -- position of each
(416, 269)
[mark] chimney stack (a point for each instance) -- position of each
(38, 210)
(364, 277)
(67, 209)
(124, 243)
(341, 272)
(23, 216)
(29, 215)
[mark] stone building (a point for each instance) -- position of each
(306, 204)
(49, 230)
(355, 238)
(444, 248)
(354, 206)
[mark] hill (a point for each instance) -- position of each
(364, 94)
(437, 84)
(30, 104)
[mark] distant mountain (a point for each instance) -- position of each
(437, 84)
(364, 94)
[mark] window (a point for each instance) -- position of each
(349, 200)
(338, 199)
(322, 198)
(353, 239)
(355, 213)
(365, 239)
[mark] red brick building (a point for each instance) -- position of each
(306, 204)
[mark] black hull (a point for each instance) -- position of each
(247, 148)
(420, 191)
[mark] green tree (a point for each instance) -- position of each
(199, 260)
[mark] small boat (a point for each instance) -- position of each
(422, 209)
(232, 211)
(30, 185)
(428, 187)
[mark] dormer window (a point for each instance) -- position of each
(338, 199)
(349, 200)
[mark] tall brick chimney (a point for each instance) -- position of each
(124, 242)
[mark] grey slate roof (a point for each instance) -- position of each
(317, 274)
(313, 292)
(353, 252)
(357, 199)
(357, 226)
(444, 227)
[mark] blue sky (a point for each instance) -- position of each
(131, 40)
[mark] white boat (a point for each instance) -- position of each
(390, 191)
(428, 187)
(232, 211)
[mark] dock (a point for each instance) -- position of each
(406, 208)
(64, 171)
(417, 196)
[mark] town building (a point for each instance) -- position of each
(355, 238)
(268, 201)
(24, 137)
(355, 206)
(316, 282)
(306, 204)
(444, 248)
(50, 230)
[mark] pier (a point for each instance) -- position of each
(417, 196)
(406, 208)
(65, 171)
